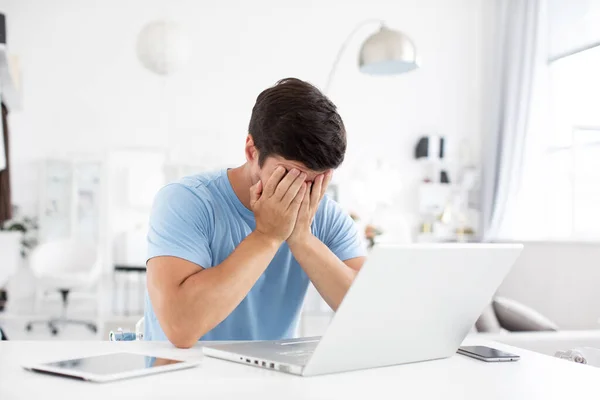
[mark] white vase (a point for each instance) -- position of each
(10, 254)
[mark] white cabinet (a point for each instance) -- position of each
(70, 201)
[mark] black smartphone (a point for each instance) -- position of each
(487, 354)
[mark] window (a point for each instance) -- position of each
(572, 149)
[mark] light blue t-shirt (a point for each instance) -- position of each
(200, 219)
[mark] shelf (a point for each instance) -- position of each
(433, 197)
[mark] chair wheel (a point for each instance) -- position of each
(54, 331)
(28, 327)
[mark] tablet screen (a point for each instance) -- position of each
(111, 364)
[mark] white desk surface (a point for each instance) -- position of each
(535, 376)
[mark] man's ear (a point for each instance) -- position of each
(250, 149)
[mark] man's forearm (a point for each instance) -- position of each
(331, 276)
(207, 297)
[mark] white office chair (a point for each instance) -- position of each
(64, 265)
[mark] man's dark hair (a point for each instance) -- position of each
(294, 120)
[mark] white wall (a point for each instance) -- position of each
(84, 90)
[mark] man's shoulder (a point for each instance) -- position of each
(202, 186)
(331, 217)
(336, 228)
(329, 208)
(194, 191)
(204, 182)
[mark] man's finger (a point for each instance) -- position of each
(299, 199)
(306, 200)
(285, 184)
(326, 181)
(293, 189)
(273, 181)
(315, 195)
(255, 192)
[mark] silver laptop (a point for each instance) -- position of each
(408, 303)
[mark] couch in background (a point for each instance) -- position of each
(561, 282)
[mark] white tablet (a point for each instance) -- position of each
(111, 367)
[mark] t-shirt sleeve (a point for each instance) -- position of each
(180, 225)
(338, 231)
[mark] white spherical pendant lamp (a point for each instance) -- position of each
(163, 47)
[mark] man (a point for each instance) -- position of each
(231, 253)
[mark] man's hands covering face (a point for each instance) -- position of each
(286, 206)
(276, 205)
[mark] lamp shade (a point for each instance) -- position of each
(387, 52)
(163, 47)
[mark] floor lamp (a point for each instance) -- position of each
(385, 52)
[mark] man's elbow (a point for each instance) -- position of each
(184, 336)
(180, 336)
(180, 339)
(183, 343)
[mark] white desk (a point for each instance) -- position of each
(534, 377)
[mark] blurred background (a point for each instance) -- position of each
(491, 133)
